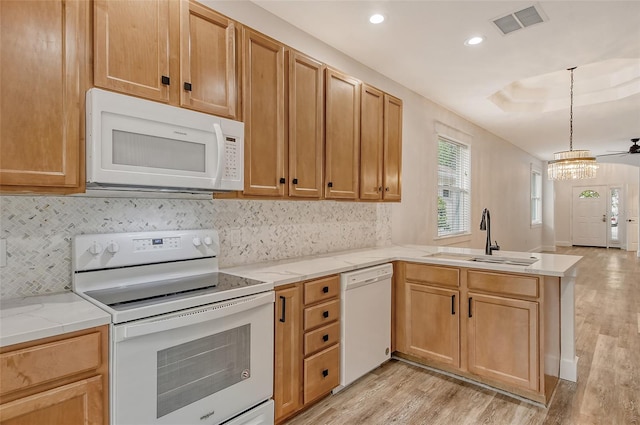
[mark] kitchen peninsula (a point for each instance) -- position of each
(520, 336)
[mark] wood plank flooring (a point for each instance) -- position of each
(607, 391)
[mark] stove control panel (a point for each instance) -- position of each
(112, 250)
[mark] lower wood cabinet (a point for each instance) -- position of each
(498, 328)
(433, 323)
(307, 344)
(503, 340)
(59, 380)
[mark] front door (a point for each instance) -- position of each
(590, 216)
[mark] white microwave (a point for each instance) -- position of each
(140, 145)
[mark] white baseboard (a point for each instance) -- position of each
(563, 243)
(569, 369)
(549, 248)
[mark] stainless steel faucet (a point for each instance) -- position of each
(485, 224)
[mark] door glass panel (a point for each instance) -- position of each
(196, 369)
(615, 200)
(589, 194)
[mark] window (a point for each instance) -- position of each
(536, 196)
(589, 194)
(454, 185)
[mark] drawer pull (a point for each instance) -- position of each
(470, 315)
(325, 373)
(325, 337)
(284, 306)
(453, 304)
(325, 289)
(325, 314)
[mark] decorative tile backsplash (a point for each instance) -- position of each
(39, 230)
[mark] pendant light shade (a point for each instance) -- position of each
(572, 165)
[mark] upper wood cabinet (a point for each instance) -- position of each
(132, 47)
(263, 112)
(207, 61)
(371, 143)
(42, 55)
(380, 145)
(306, 125)
(181, 53)
(342, 137)
(392, 175)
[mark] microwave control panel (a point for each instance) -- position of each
(232, 153)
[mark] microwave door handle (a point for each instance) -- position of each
(221, 154)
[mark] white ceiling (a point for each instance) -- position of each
(421, 46)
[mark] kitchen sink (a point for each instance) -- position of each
(494, 259)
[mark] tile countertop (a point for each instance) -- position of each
(30, 318)
(287, 271)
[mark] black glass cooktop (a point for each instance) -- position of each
(157, 292)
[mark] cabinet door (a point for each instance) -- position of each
(76, 403)
(263, 112)
(392, 148)
(131, 47)
(287, 393)
(433, 323)
(371, 139)
(42, 45)
(342, 136)
(208, 61)
(503, 340)
(306, 126)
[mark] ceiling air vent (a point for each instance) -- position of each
(521, 19)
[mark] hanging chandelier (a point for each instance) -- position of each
(572, 165)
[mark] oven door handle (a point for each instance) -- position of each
(191, 316)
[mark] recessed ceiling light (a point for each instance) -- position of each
(474, 40)
(376, 19)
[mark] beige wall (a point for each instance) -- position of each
(500, 170)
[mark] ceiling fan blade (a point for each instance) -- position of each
(613, 154)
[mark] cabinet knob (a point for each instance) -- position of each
(165, 80)
(330, 184)
(325, 337)
(325, 289)
(295, 181)
(187, 86)
(386, 189)
(283, 180)
(325, 373)
(380, 189)
(325, 314)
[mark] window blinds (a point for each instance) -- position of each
(454, 186)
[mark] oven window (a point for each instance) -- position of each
(194, 370)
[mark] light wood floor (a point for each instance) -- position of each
(607, 391)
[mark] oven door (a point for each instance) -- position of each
(198, 366)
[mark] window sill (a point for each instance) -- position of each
(453, 239)
(536, 225)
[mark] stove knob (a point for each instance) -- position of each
(95, 249)
(196, 241)
(113, 247)
(207, 240)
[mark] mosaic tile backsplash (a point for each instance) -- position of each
(39, 230)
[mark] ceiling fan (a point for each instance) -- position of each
(635, 148)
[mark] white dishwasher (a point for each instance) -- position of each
(365, 341)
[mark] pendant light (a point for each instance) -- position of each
(572, 165)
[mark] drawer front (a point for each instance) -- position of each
(322, 289)
(321, 338)
(445, 276)
(321, 314)
(321, 373)
(36, 365)
(500, 283)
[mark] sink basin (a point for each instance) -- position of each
(495, 259)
